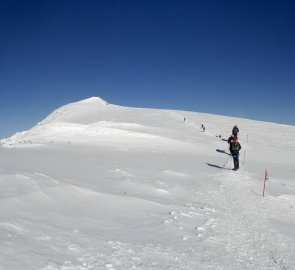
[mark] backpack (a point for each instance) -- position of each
(235, 146)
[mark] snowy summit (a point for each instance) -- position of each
(94, 100)
(101, 186)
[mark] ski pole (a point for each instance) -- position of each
(227, 161)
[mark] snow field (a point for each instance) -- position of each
(99, 186)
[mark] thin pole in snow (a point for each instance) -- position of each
(228, 161)
(265, 178)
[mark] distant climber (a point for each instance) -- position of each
(203, 127)
(234, 149)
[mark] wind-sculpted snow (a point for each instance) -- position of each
(99, 186)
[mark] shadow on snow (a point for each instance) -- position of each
(216, 166)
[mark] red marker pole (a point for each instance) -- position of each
(265, 178)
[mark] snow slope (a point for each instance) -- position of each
(100, 186)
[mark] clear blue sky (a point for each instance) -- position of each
(223, 57)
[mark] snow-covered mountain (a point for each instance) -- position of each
(100, 186)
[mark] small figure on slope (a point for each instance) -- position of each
(234, 149)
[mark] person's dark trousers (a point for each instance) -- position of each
(236, 162)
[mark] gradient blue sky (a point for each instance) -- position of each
(232, 58)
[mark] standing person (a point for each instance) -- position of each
(234, 149)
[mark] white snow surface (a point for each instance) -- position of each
(101, 186)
